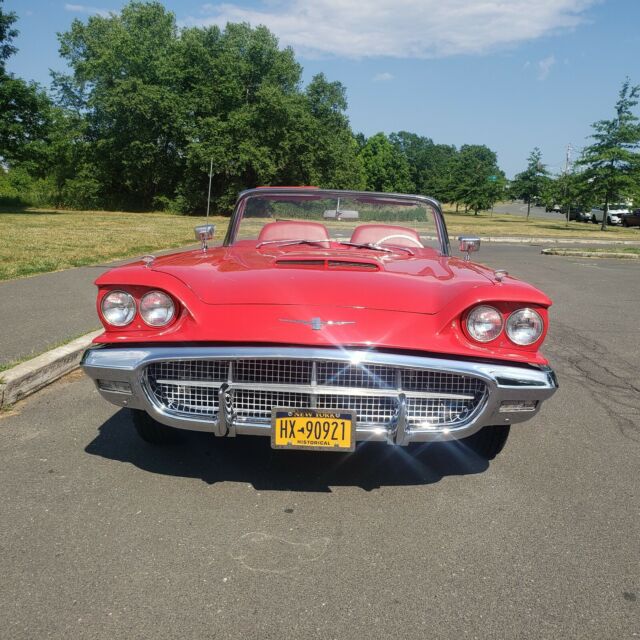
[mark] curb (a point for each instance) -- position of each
(551, 240)
(28, 377)
(590, 254)
(548, 240)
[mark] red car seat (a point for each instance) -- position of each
(294, 230)
(384, 233)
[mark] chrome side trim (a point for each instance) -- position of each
(504, 383)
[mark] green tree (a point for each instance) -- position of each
(612, 162)
(24, 107)
(385, 166)
(7, 34)
(529, 184)
(160, 103)
(478, 182)
(123, 80)
(430, 164)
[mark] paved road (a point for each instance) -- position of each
(43, 311)
(104, 537)
(519, 208)
(46, 310)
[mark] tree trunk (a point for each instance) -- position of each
(528, 207)
(605, 213)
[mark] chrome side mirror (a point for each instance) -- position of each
(469, 245)
(204, 233)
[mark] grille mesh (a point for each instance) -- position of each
(362, 376)
(254, 404)
(189, 400)
(273, 371)
(369, 409)
(417, 380)
(190, 370)
(427, 413)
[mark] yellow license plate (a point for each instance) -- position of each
(313, 429)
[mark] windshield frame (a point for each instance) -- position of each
(236, 216)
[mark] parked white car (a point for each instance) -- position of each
(614, 215)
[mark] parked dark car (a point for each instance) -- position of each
(577, 213)
(631, 219)
(580, 215)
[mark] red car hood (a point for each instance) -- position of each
(240, 275)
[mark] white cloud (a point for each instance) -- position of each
(83, 8)
(544, 67)
(385, 76)
(402, 28)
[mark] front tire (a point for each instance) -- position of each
(489, 441)
(152, 431)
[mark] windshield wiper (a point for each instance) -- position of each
(286, 243)
(376, 247)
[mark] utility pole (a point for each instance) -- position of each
(567, 164)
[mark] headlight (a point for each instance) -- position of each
(484, 323)
(156, 308)
(118, 308)
(524, 326)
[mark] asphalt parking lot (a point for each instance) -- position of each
(105, 537)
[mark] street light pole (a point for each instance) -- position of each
(567, 164)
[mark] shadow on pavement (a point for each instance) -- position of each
(251, 460)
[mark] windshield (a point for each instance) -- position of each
(319, 217)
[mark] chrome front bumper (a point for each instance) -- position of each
(513, 393)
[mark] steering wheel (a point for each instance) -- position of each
(400, 235)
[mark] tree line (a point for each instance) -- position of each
(146, 106)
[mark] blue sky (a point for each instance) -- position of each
(511, 74)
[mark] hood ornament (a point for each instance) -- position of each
(317, 323)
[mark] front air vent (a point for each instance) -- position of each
(332, 264)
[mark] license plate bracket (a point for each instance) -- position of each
(313, 429)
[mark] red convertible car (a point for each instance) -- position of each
(324, 318)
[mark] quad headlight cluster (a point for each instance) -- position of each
(523, 327)
(119, 308)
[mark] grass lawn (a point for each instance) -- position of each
(37, 241)
(605, 252)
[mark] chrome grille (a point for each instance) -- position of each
(434, 399)
(273, 371)
(418, 380)
(191, 370)
(187, 399)
(428, 413)
(369, 409)
(252, 404)
(369, 376)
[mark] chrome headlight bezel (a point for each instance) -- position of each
(148, 307)
(490, 312)
(127, 303)
(526, 314)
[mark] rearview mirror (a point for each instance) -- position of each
(341, 214)
(204, 233)
(469, 245)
